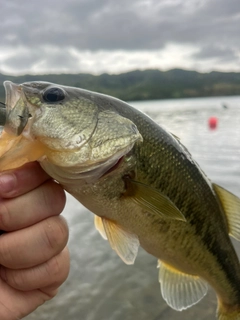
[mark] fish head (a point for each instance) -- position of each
(66, 126)
(49, 112)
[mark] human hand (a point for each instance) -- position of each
(34, 259)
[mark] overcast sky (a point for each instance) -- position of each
(114, 36)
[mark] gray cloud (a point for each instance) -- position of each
(212, 26)
(42, 58)
(208, 52)
(106, 24)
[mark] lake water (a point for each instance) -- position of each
(100, 286)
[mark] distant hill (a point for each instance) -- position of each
(145, 85)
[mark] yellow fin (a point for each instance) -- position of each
(124, 243)
(180, 290)
(152, 200)
(17, 150)
(231, 206)
(99, 226)
(233, 316)
(226, 313)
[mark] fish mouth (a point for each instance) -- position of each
(13, 94)
(68, 176)
(17, 113)
(104, 168)
(115, 166)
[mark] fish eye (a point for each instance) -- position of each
(53, 95)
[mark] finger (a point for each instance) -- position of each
(16, 304)
(49, 275)
(21, 180)
(33, 245)
(23, 211)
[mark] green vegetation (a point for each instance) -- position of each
(144, 85)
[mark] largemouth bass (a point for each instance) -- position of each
(140, 182)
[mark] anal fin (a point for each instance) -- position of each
(180, 290)
(123, 242)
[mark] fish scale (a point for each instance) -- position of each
(140, 182)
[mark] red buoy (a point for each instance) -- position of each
(212, 122)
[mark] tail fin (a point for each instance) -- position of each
(227, 313)
(230, 316)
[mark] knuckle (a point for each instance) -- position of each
(61, 196)
(15, 278)
(6, 252)
(57, 269)
(56, 233)
(49, 294)
(53, 268)
(53, 197)
(5, 216)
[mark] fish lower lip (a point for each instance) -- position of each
(115, 166)
(17, 115)
(12, 94)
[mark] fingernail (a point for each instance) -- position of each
(7, 183)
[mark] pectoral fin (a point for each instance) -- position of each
(231, 206)
(17, 150)
(99, 226)
(124, 243)
(152, 200)
(180, 290)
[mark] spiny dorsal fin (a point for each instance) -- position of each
(180, 290)
(231, 206)
(152, 200)
(124, 243)
(99, 226)
(176, 137)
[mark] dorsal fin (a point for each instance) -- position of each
(176, 137)
(231, 207)
(153, 200)
(180, 290)
(123, 242)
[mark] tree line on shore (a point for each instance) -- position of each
(144, 85)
